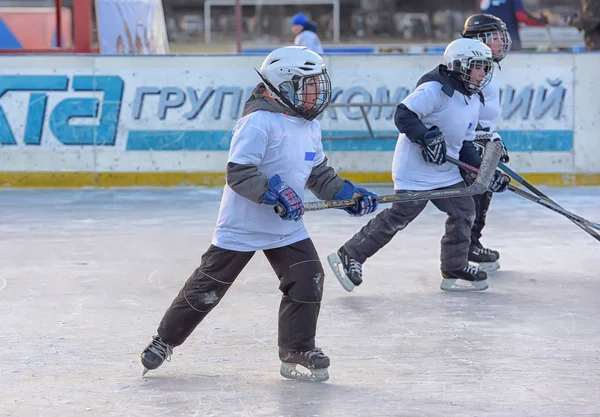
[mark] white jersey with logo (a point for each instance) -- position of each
(455, 116)
(489, 113)
(277, 144)
(309, 39)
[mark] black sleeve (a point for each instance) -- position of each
(247, 181)
(469, 154)
(409, 123)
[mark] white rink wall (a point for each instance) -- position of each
(118, 121)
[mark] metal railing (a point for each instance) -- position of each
(334, 3)
(371, 134)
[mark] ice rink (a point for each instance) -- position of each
(85, 276)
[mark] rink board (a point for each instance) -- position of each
(161, 121)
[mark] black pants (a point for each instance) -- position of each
(300, 276)
(455, 243)
(482, 204)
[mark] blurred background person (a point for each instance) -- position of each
(512, 12)
(306, 33)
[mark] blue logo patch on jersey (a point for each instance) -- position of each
(309, 156)
(470, 124)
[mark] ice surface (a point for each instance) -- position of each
(85, 276)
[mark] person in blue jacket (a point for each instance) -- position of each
(512, 12)
(306, 33)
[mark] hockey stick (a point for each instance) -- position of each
(522, 181)
(582, 223)
(479, 186)
(579, 221)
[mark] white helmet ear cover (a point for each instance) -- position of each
(288, 90)
(285, 93)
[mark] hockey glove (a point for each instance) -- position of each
(366, 201)
(500, 182)
(482, 136)
(504, 158)
(281, 193)
(433, 146)
(469, 178)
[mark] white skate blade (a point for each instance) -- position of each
(451, 284)
(336, 265)
(488, 266)
(288, 370)
(145, 371)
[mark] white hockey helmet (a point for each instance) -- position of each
(464, 55)
(297, 78)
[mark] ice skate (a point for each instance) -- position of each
(155, 354)
(485, 258)
(314, 360)
(470, 278)
(350, 273)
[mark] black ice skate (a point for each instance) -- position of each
(470, 278)
(485, 258)
(350, 275)
(155, 354)
(314, 360)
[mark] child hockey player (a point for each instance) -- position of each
(491, 31)
(275, 153)
(437, 119)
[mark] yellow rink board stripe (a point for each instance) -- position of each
(210, 179)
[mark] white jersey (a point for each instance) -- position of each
(309, 39)
(456, 118)
(277, 144)
(489, 113)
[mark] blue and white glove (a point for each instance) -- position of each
(433, 146)
(284, 195)
(366, 201)
(499, 182)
